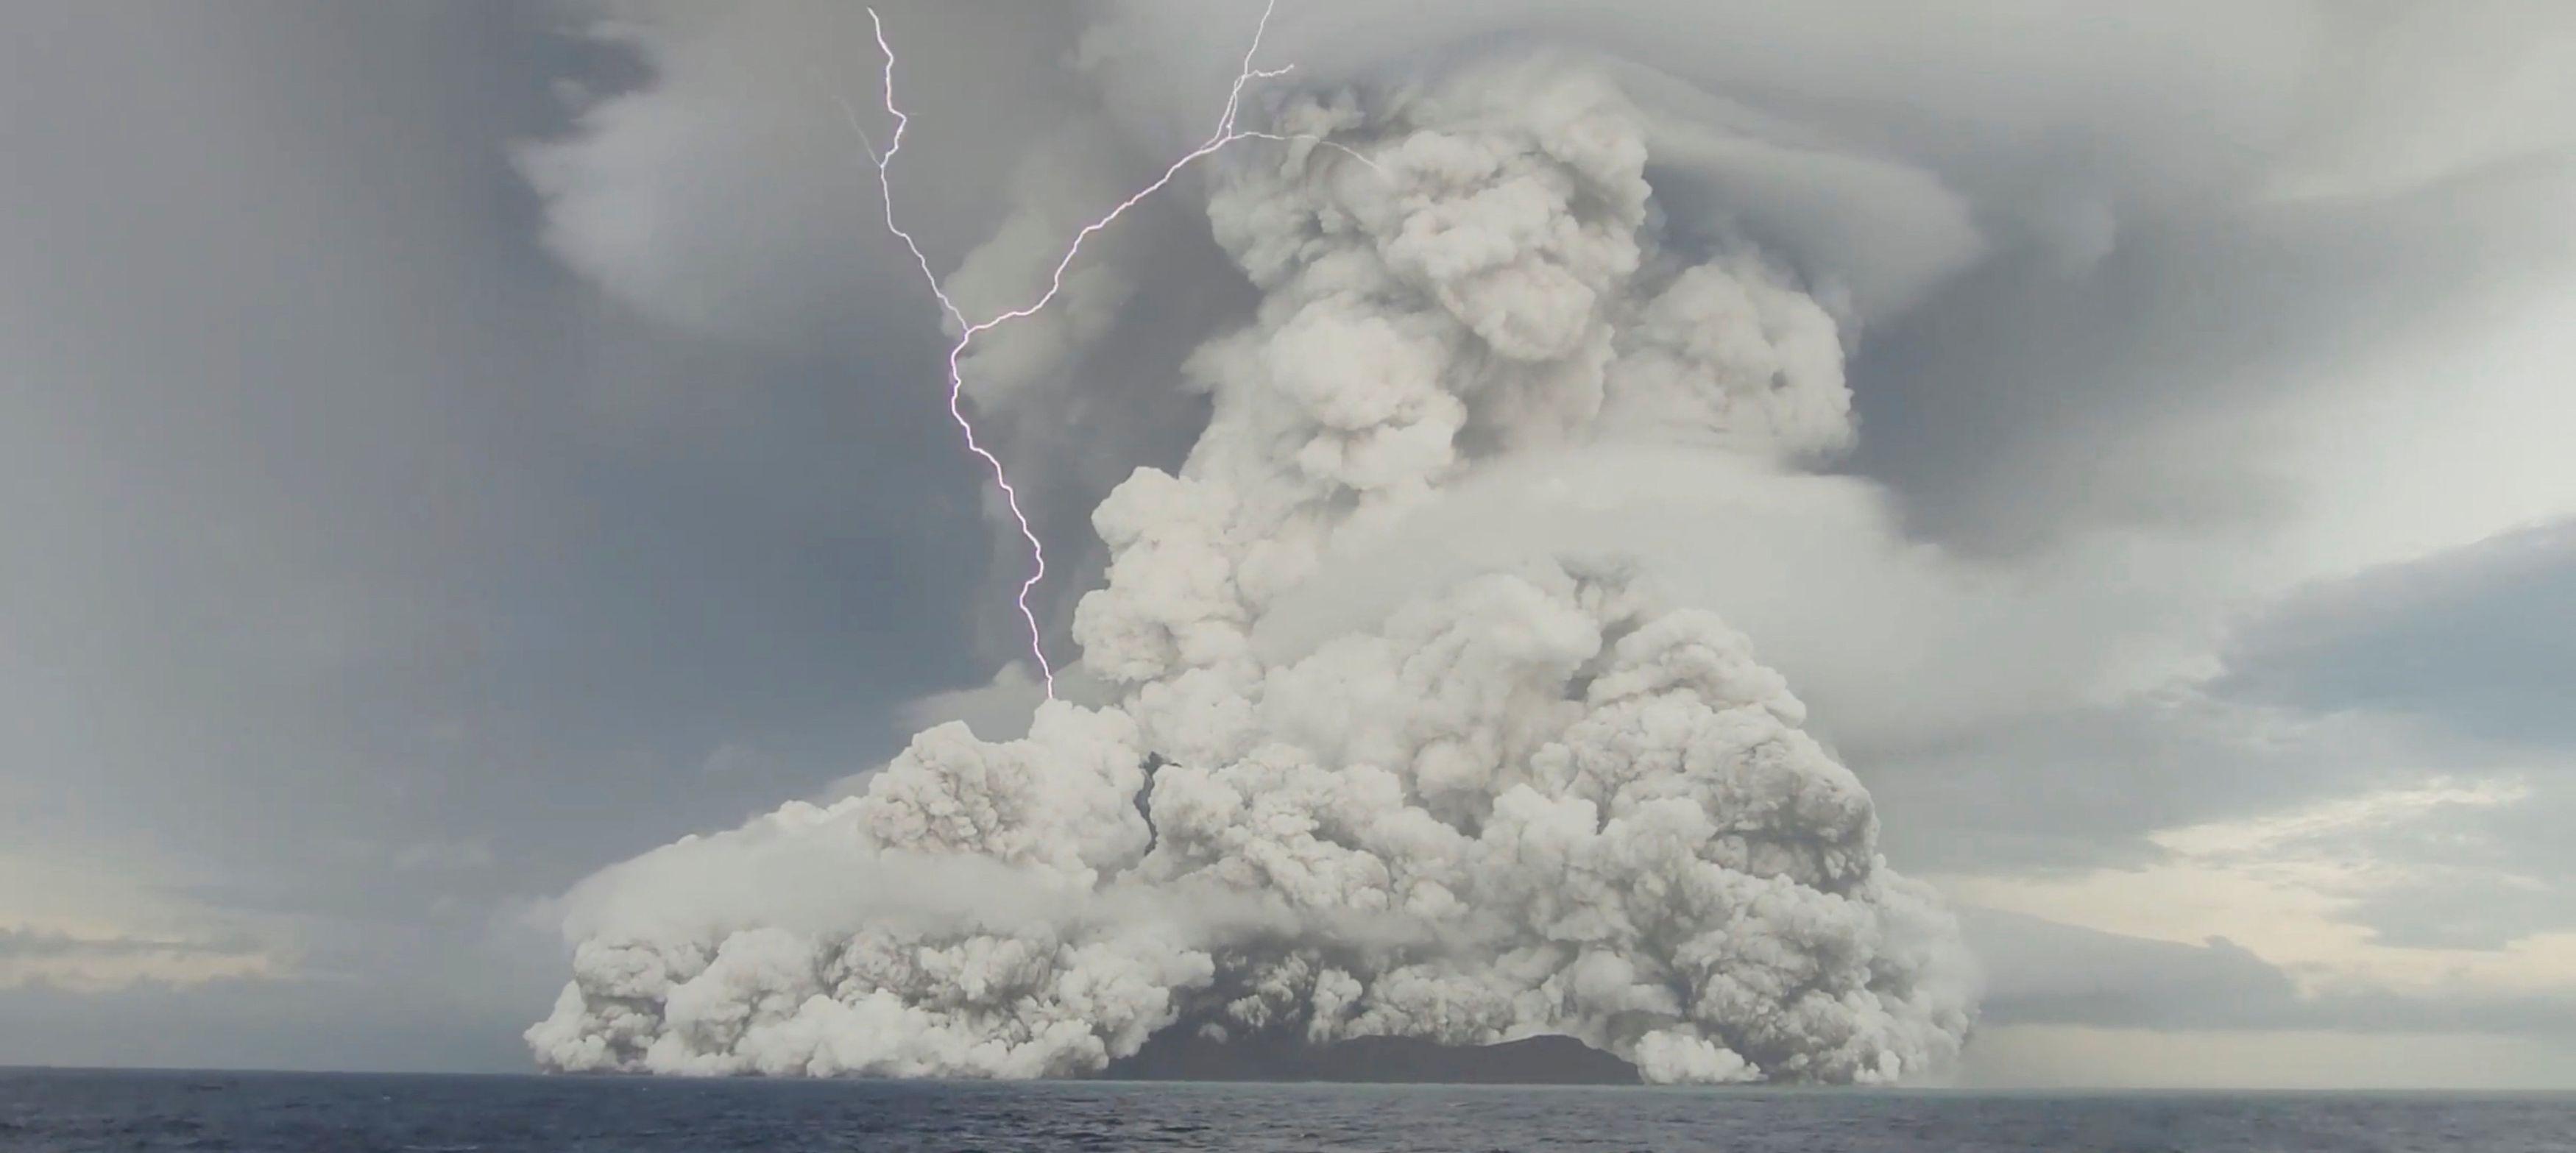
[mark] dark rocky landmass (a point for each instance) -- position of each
(1181, 1055)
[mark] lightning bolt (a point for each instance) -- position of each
(1226, 133)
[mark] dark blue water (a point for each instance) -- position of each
(43, 1111)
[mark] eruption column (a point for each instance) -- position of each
(1509, 793)
(1226, 133)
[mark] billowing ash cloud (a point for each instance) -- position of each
(1535, 799)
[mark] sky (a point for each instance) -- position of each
(447, 450)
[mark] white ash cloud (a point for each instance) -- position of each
(1531, 798)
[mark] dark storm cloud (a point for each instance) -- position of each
(2480, 640)
(2028, 400)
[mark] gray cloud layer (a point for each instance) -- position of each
(342, 523)
(2053, 974)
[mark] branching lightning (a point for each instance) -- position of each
(1226, 133)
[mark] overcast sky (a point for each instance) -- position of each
(448, 449)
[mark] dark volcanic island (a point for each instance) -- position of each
(1530, 1061)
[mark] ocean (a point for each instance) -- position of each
(63, 1111)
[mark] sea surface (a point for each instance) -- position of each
(56, 1111)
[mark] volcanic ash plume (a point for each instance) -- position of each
(1534, 801)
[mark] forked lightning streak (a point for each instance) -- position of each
(1226, 133)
